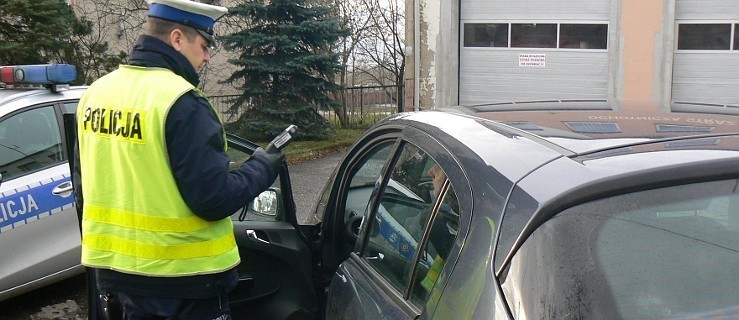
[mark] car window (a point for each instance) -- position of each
(361, 183)
(30, 141)
(442, 232)
(369, 170)
(663, 253)
(70, 107)
(405, 217)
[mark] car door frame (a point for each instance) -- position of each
(333, 224)
(359, 274)
(298, 296)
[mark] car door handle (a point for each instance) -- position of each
(63, 190)
(379, 256)
(253, 236)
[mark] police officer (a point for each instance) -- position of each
(155, 188)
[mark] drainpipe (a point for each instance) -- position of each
(416, 55)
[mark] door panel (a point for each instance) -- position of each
(354, 294)
(406, 233)
(275, 276)
(39, 233)
(39, 236)
(276, 270)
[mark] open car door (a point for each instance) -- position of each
(276, 273)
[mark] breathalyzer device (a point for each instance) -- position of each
(282, 139)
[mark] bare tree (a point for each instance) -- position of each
(353, 17)
(381, 54)
(120, 22)
(373, 51)
(117, 21)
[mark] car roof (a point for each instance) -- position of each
(12, 98)
(557, 154)
(571, 144)
(609, 148)
(8, 94)
(517, 138)
(588, 126)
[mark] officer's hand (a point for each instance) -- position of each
(274, 158)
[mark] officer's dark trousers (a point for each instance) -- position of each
(148, 308)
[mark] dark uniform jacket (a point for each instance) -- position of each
(200, 167)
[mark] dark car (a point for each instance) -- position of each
(544, 210)
(527, 210)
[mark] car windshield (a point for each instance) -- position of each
(664, 253)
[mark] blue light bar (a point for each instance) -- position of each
(38, 74)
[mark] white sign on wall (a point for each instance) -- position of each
(532, 60)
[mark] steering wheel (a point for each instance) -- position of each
(352, 225)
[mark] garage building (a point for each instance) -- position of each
(498, 51)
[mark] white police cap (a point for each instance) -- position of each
(199, 16)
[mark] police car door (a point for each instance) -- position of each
(39, 232)
(276, 270)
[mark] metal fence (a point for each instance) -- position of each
(363, 106)
(359, 106)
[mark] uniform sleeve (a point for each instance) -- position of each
(200, 165)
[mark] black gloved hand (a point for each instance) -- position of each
(273, 158)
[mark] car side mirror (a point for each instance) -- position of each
(1, 179)
(265, 203)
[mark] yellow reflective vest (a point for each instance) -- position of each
(135, 220)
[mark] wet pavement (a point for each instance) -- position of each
(65, 300)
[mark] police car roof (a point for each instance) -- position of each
(8, 95)
(13, 93)
(21, 81)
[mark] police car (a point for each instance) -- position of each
(39, 228)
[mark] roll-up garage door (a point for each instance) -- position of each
(533, 50)
(706, 59)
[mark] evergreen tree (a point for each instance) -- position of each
(34, 31)
(283, 63)
(47, 31)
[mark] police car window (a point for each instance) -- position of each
(30, 141)
(70, 107)
(402, 216)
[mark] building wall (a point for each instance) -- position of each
(642, 62)
(439, 55)
(640, 53)
(701, 75)
(121, 22)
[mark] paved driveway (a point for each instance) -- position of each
(308, 180)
